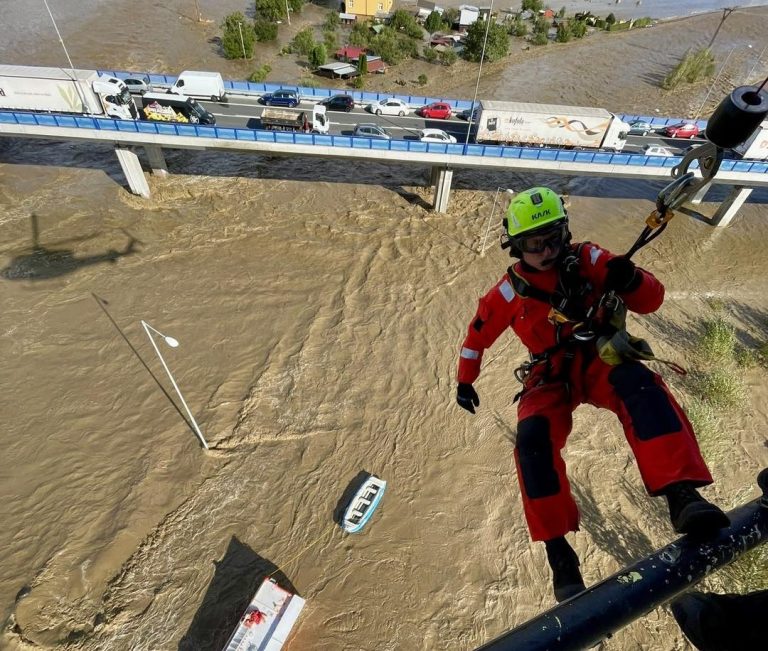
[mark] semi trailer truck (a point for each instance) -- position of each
(756, 147)
(548, 125)
(287, 120)
(64, 90)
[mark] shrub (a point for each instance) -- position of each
(694, 66)
(578, 29)
(450, 16)
(541, 26)
(265, 31)
(237, 38)
(332, 21)
(402, 21)
(329, 40)
(712, 439)
(304, 41)
(422, 80)
(561, 13)
(540, 39)
(563, 32)
(532, 5)
(270, 10)
(360, 35)
(318, 56)
(723, 388)
(430, 56)
(447, 57)
(610, 19)
(358, 83)
(362, 64)
(260, 74)
(518, 27)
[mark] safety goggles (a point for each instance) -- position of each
(552, 239)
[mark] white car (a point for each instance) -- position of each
(436, 135)
(391, 106)
(657, 150)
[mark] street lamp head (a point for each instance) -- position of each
(173, 343)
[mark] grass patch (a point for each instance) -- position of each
(709, 430)
(722, 388)
(718, 343)
(746, 358)
(749, 572)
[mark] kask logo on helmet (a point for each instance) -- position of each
(540, 214)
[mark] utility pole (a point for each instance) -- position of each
(726, 12)
(288, 11)
(199, 15)
(242, 45)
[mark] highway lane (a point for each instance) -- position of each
(243, 111)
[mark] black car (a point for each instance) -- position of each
(339, 103)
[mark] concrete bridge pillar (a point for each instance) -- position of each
(129, 161)
(728, 209)
(156, 160)
(443, 177)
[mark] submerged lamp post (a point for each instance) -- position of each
(173, 343)
(490, 217)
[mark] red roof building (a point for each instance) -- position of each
(349, 53)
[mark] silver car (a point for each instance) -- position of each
(370, 131)
(138, 84)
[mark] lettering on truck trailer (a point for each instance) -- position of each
(2, 92)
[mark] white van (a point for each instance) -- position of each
(194, 83)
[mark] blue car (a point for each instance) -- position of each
(289, 98)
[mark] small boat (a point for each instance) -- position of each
(267, 621)
(363, 504)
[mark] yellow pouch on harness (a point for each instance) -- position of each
(622, 346)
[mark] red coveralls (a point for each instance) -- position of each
(657, 429)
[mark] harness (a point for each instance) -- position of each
(568, 303)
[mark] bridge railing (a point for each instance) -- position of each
(289, 138)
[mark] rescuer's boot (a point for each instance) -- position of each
(723, 622)
(566, 577)
(690, 513)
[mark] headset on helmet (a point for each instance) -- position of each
(530, 211)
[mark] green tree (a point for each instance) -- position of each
(362, 64)
(430, 56)
(359, 83)
(304, 41)
(318, 56)
(422, 80)
(265, 31)
(403, 21)
(260, 74)
(434, 22)
(563, 32)
(532, 5)
(271, 10)
(610, 19)
(233, 28)
(496, 47)
(448, 57)
(360, 35)
(332, 21)
(296, 5)
(386, 45)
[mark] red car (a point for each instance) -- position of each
(681, 130)
(436, 110)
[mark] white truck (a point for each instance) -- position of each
(548, 125)
(756, 146)
(64, 90)
(194, 83)
(275, 119)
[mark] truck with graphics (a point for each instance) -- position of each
(756, 147)
(275, 119)
(548, 125)
(64, 90)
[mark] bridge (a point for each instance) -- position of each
(443, 159)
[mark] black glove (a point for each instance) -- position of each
(467, 397)
(622, 274)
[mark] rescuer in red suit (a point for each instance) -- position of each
(555, 300)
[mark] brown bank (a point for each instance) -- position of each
(319, 325)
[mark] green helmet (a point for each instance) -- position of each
(532, 209)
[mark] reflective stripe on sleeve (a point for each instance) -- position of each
(468, 353)
(506, 291)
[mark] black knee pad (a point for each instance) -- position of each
(534, 449)
(648, 405)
